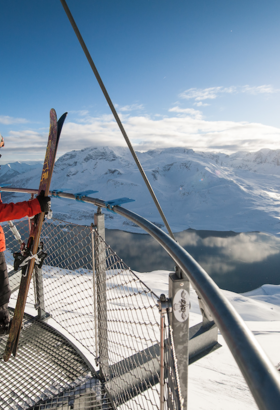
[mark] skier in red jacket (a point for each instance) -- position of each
(8, 212)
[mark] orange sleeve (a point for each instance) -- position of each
(19, 210)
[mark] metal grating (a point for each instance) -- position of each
(46, 366)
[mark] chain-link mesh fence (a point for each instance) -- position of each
(98, 304)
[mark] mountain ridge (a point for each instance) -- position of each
(199, 190)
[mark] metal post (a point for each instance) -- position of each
(163, 304)
(39, 292)
(100, 260)
(36, 280)
(162, 328)
(94, 291)
(179, 293)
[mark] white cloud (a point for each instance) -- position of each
(187, 111)
(199, 94)
(145, 133)
(6, 120)
(261, 89)
(132, 107)
(185, 131)
(80, 113)
(252, 247)
(201, 104)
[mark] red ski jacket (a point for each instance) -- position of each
(16, 211)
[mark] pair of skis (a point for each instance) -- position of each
(34, 236)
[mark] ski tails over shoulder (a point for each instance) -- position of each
(34, 236)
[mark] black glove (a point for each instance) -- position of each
(45, 202)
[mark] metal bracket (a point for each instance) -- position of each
(164, 304)
(205, 311)
(55, 192)
(46, 315)
(79, 195)
(119, 201)
(97, 361)
(3, 185)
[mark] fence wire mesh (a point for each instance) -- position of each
(102, 306)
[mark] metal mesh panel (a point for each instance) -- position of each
(67, 277)
(105, 307)
(133, 336)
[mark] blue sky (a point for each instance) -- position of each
(199, 74)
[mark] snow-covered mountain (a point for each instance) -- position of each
(9, 171)
(201, 190)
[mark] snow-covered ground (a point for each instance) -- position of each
(199, 190)
(215, 381)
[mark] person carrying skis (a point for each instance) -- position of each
(7, 212)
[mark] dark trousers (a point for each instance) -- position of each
(5, 291)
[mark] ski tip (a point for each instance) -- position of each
(60, 123)
(62, 118)
(53, 114)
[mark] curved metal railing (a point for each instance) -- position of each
(262, 378)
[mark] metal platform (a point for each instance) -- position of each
(47, 373)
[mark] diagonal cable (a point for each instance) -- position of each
(114, 112)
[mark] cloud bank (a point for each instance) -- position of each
(6, 120)
(199, 94)
(184, 128)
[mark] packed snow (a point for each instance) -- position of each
(199, 190)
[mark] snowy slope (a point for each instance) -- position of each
(215, 382)
(13, 170)
(211, 191)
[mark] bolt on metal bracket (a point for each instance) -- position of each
(164, 304)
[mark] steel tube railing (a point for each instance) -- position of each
(262, 378)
